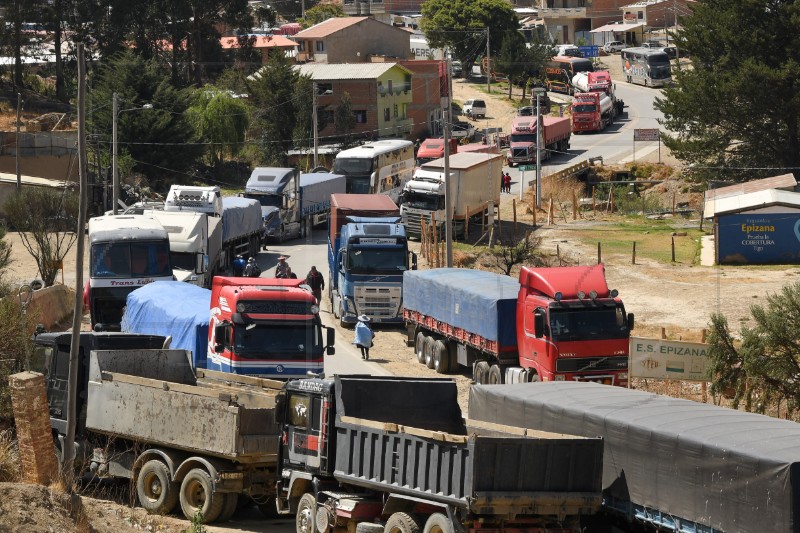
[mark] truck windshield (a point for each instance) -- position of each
(266, 200)
(277, 340)
(357, 185)
(596, 323)
(183, 260)
(130, 260)
(369, 260)
(352, 165)
(584, 108)
(523, 137)
(424, 160)
(418, 200)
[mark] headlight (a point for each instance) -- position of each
(240, 307)
(314, 309)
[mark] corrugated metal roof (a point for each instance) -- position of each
(749, 201)
(260, 41)
(327, 27)
(617, 27)
(784, 181)
(346, 71)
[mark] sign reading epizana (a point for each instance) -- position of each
(663, 359)
(759, 238)
(645, 134)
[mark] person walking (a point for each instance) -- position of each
(252, 270)
(507, 182)
(281, 271)
(364, 336)
(315, 280)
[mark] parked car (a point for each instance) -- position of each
(456, 68)
(568, 50)
(671, 51)
(652, 44)
(614, 46)
(462, 130)
(474, 108)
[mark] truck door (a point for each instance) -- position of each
(305, 441)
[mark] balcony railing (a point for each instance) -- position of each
(562, 12)
(397, 89)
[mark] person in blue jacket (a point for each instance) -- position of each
(238, 266)
(364, 336)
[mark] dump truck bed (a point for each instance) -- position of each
(153, 397)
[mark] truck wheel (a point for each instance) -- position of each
(402, 523)
(369, 527)
(197, 495)
(438, 523)
(156, 492)
(229, 507)
(429, 342)
(481, 373)
(419, 346)
(306, 514)
(441, 358)
(495, 375)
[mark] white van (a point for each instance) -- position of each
(568, 50)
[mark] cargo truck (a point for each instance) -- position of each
(368, 455)
(524, 131)
(292, 202)
(433, 148)
(240, 219)
(263, 327)
(367, 255)
(125, 252)
(669, 464)
(195, 242)
(200, 440)
(475, 190)
(555, 324)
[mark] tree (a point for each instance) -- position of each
(461, 25)
(516, 251)
(320, 13)
(512, 60)
(302, 103)
(343, 119)
(46, 220)
(736, 113)
(764, 369)
(221, 120)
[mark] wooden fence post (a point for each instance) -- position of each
(633, 258)
(599, 254)
(574, 207)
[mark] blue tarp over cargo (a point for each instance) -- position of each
(240, 216)
(174, 308)
(479, 302)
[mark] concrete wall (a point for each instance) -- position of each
(47, 154)
(52, 305)
(367, 38)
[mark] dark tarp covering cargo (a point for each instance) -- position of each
(725, 469)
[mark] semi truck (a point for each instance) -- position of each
(594, 105)
(554, 324)
(126, 252)
(669, 464)
(240, 219)
(368, 454)
(195, 242)
(524, 132)
(263, 327)
(475, 190)
(367, 255)
(197, 439)
(433, 148)
(292, 202)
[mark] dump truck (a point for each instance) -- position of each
(554, 324)
(195, 438)
(669, 464)
(370, 454)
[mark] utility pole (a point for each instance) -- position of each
(314, 119)
(488, 65)
(16, 140)
(448, 210)
(539, 127)
(114, 169)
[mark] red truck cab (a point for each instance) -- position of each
(267, 327)
(570, 326)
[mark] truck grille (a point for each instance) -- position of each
(378, 301)
(589, 364)
(519, 153)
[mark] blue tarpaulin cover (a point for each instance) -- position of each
(479, 302)
(240, 216)
(172, 308)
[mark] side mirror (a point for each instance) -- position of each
(630, 321)
(330, 337)
(538, 324)
(413, 261)
(200, 263)
(219, 333)
(280, 403)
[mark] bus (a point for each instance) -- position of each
(560, 70)
(647, 66)
(378, 167)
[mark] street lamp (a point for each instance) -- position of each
(115, 111)
(539, 125)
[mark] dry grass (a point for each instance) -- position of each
(10, 470)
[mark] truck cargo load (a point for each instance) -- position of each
(523, 139)
(359, 205)
(240, 217)
(669, 462)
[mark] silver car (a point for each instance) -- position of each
(613, 46)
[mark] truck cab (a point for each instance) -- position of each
(191, 246)
(277, 190)
(194, 198)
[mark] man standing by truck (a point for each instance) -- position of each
(315, 280)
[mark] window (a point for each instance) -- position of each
(299, 410)
(390, 85)
(320, 46)
(640, 15)
(301, 46)
(386, 114)
(395, 111)
(328, 116)
(361, 116)
(324, 88)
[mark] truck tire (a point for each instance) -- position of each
(157, 493)
(429, 343)
(197, 495)
(419, 347)
(369, 527)
(306, 514)
(402, 523)
(441, 358)
(495, 375)
(481, 373)
(229, 507)
(438, 523)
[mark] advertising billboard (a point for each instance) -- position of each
(759, 238)
(663, 359)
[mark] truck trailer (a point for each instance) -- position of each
(368, 454)
(367, 255)
(433, 148)
(555, 324)
(524, 133)
(199, 440)
(475, 192)
(263, 327)
(670, 464)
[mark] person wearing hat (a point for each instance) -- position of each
(282, 270)
(364, 336)
(252, 270)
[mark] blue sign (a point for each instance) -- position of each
(759, 238)
(590, 51)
